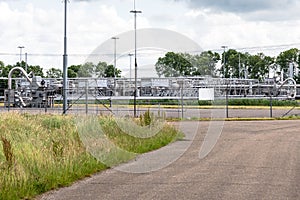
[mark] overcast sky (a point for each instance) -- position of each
(38, 25)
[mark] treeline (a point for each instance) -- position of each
(102, 69)
(233, 64)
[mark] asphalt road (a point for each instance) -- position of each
(251, 160)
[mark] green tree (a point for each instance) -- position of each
(259, 66)
(73, 71)
(205, 63)
(100, 69)
(174, 65)
(3, 73)
(54, 73)
(3, 70)
(71, 74)
(179, 64)
(111, 71)
(75, 68)
(35, 69)
(243, 65)
(2, 65)
(105, 70)
(287, 57)
(232, 65)
(87, 70)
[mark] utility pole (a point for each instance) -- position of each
(65, 64)
(239, 65)
(226, 74)
(21, 47)
(135, 12)
(130, 65)
(224, 61)
(115, 62)
(26, 65)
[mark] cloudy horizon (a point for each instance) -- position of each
(257, 26)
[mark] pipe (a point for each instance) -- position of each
(10, 74)
(294, 83)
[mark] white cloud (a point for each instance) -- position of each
(244, 6)
(32, 27)
(214, 29)
(38, 25)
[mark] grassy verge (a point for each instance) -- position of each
(292, 117)
(44, 152)
(250, 102)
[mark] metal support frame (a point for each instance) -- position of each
(135, 12)
(65, 64)
(115, 63)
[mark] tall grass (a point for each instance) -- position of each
(43, 152)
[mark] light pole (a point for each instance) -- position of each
(226, 73)
(224, 61)
(65, 63)
(130, 64)
(239, 65)
(181, 84)
(115, 61)
(26, 62)
(135, 12)
(21, 47)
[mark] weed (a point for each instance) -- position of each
(8, 152)
(147, 118)
(57, 149)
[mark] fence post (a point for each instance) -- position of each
(227, 115)
(271, 106)
(86, 97)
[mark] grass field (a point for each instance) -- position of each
(44, 152)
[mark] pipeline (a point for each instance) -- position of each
(22, 70)
(294, 83)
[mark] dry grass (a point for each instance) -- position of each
(43, 152)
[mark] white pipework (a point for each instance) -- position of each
(22, 70)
